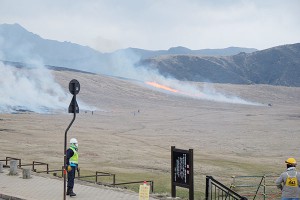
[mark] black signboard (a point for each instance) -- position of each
(182, 170)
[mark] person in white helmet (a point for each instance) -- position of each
(72, 165)
(289, 181)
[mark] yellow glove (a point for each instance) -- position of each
(69, 168)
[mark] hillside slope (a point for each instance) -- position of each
(275, 66)
(134, 126)
(131, 131)
(19, 45)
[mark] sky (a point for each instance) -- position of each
(108, 25)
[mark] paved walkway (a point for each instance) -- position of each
(43, 187)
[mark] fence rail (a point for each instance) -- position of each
(216, 190)
(79, 177)
(11, 158)
(113, 184)
(135, 182)
(256, 187)
(98, 174)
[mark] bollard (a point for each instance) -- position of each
(1, 167)
(26, 174)
(13, 168)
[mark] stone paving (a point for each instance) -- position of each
(41, 187)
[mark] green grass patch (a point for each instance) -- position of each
(162, 183)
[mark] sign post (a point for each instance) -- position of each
(182, 170)
(74, 88)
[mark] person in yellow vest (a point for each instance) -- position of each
(289, 181)
(72, 165)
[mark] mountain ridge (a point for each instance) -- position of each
(179, 50)
(67, 54)
(275, 66)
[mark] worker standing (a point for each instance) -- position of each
(289, 181)
(72, 165)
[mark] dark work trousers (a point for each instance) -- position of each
(71, 177)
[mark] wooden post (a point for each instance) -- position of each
(191, 183)
(26, 174)
(173, 186)
(13, 168)
(1, 167)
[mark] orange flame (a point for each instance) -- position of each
(154, 84)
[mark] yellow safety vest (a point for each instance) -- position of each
(74, 159)
(291, 181)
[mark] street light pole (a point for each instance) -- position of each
(74, 88)
(65, 156)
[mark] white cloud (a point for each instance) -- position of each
(159, 24)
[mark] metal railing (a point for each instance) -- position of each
(98, 174)
(113, 184)
(54, 170)
(33, 164)
(79, 177)
(135, 182)
(256, 187)
(216, 190)
(11, 158)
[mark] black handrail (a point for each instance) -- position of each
(209, 192)
(11, 158)
(96, 176)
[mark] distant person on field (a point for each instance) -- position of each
(289, 181)
(72, 165)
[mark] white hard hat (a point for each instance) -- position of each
(74, 141)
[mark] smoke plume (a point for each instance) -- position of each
(124, 65)
(31, 88)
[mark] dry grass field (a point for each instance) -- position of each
(132, 131)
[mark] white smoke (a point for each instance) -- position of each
(124, 66)
(205, 92)
(210, 93)
(34, 88)
(31, 88)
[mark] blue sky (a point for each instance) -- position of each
(107, 25)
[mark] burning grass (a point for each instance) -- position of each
(228, 139)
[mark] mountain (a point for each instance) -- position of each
(275, 66)
(144, 54)
(17, 44)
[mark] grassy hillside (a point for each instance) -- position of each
(275, 66)
(132, 131)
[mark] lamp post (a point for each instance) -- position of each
(74, 88)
